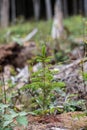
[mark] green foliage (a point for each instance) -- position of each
(42, 85)
(9, 118)
(73, 105)
(85, 76)
(20, 30)
(60, 56)
(79, 115)
(22, 120)
(74, 24)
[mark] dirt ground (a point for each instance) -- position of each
(65, 121)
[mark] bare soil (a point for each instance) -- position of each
(66, 121)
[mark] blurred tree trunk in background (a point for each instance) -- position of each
(75, 7)
(13, 11)
(81, 6)
(85, 7)
(65, 8)
(48, 9)
(0, 10)
(5, 13)
(36, 5)
(57, 29)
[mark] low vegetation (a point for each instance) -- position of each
(21, 29)
(45, 94)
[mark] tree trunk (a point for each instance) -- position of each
(36, 4)
(13, 9)
(74, 6)
(0, 9)
(65, 8)
(85, 7)
(80, 6)
(57, 29)
(5, 13)
(48, 9)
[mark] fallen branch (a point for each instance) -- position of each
(75, 63)
(27, 38)
(64, 68)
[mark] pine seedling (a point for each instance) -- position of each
(42, 85)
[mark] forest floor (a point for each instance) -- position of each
(65, 121)
(73, 72)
